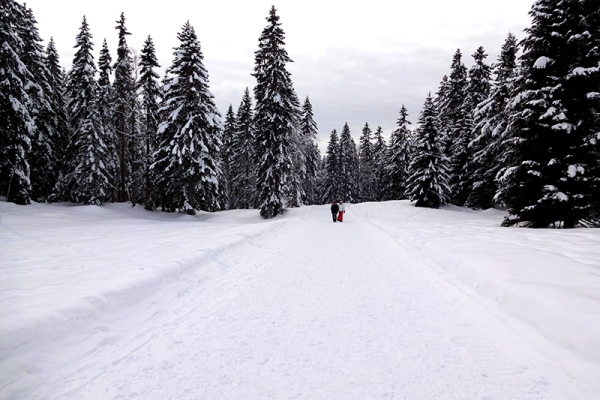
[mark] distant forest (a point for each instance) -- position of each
(522, 133)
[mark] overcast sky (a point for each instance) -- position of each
(357, 62)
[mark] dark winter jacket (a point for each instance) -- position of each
(335, 208)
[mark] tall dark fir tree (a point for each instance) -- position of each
(380, 163)
(229, 129)
(275, 117)
(399, 158)
(553, 174)
(243, 156)
(428, 171)
(348, 164)
(311, 152)
(366, 167)
(17, 123)
(149, 88)
(187, 170)
(330, 183)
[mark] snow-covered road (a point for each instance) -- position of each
(295, 308)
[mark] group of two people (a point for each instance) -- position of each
(337, 210)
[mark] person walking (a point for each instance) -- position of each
(334, 210)
(341, 211)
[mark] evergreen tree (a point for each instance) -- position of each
(428, 176)
(88, 179)
(274, 120)
(124, 115)
(41, 157)
(229, 130)
(380, 162)
(366, 170)
(243, 156)
(17, 123)
(312, 154)
(149, 89)
(105, 109)
(552, 177)
(56, 82)
(490, 120)
(330, 186)
(399, 158)
(187, 167)
(348, 167)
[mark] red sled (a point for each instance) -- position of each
(341, 216)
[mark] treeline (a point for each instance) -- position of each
(521, 134)
(111, 132)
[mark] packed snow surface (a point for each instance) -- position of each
(396, 302)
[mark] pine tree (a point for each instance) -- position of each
(229, 130)
(399, 158)
(42, 157)
(88, 179)
(149, 88)
(348, 167)
(274, 120)
(552, 177)
(312, 154)
(366, 168)
(428, 176)
(106, 110)
(243, 156)
(17, 123)
(490, 120)
(56, 82)
(380, 162)
(330, 184)
(187, 167)
(124, 97)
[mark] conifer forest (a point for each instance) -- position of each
(520, 133)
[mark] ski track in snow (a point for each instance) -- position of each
(293, 308)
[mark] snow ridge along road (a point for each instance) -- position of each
(228, 306)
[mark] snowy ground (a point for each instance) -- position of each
(396, 302)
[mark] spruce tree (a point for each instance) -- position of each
(366, 168)
(187, 167)
(399, 158)
(490, 121)
(105, 104)
(312, 154)
(226, 153)
(18, 125)
(274, 120)
(330, 184)
(88, 179)
(348, 167)
(380, 162)
(124, 115)
(552, 177)
(243, 156)
(56, 82)
(42, 157)
(428, 171)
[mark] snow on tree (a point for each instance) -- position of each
(105, 104)
(275, 116)
(42, 157)
(88, 179)
(330, 183)
(124, 116)
(399, 156)
(490, 120)
(149, 89)
(428, 171)
(552, 177)
(348, 162)
(312, 154)
(366, 168)
(243, 156)
(478, 89)
(56, 97)
(18, 125)
(187, 167)
(226, 154)
(380, 162)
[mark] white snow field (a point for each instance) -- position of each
(396, 302)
